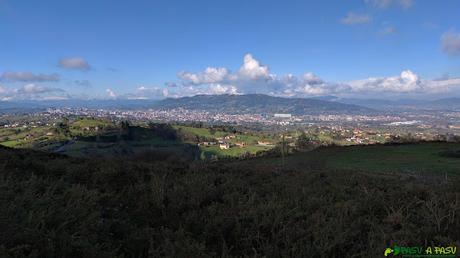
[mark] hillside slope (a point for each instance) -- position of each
(258, 103)
(55, 206)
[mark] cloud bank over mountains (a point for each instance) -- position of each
(254, 77)
(32, 91)
(251, 77)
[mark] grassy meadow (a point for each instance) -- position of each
(412, 159)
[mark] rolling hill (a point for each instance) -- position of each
(259, 103)
(403, 104)
(53, 205)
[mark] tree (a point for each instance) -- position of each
(127, 130)
(212, 130)
(63, 126)
(303, 141)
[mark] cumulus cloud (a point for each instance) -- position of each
(443, 85)
(355, 19)
(74, 63)
(32, 91)
(28, 77)
(450, 42)
(212, 89)
(209, 75)
(222, 89)
(37, 89)
(252, 69)
(253, 77)
(154, 92)
(309, 85)
(407, 81)
(111, 93)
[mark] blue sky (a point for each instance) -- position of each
(156, 49)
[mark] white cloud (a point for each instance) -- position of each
(111, 93)
(252, 69)
(355, 19)
(32, 91)
(36, 89)
(209, 75)
(450, 42)
(309, 85)
(44, 98)
(222, 89)
(210, 89)
(407, 81)
(312, 79)
(252, 77)
(143, 92)
(28, 77)
(75, 63)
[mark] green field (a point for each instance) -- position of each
(12, 143)
(232, 152)
(84, 140)
(92, 123)
(417, 159)
(208, 152)
(24, 137)
(203, 132)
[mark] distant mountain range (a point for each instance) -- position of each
(259, 103)
(28, 105)
(414, 104)
(251, 103)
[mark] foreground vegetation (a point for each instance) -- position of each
(85, 137)
(149, 205)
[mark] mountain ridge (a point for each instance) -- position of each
(260, 103)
